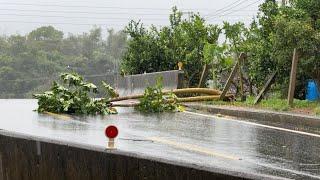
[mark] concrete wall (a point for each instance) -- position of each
(135, 84)
(23, 157)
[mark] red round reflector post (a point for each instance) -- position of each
(111, 131)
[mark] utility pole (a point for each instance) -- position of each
(293, 75)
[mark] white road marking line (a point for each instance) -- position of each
(285, 169)
(191, 147)
(256, 124)
(209, 152)
(59, 116)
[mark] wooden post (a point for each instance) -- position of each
(180, 76)
(204, 74)
(180, 65)
(241, 80)
(293, 75)
(231, 76)
(229, 81)
(265, 88)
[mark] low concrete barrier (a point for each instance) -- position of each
(32, 158)
(136, 84)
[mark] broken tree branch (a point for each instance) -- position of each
(178, 100)
(175, 91)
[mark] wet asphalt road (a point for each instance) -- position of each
(206, 141)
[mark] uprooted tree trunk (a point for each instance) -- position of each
(204, 75)
(211, 92)
(179, 100)
(209, 95)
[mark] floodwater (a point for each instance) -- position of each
(185, 137)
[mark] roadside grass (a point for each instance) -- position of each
(276, 104)
(317, 111)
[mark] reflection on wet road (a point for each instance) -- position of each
(203, 140)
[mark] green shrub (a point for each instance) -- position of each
(154, 100)
(75, 99)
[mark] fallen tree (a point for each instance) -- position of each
(206, 91)
(177, 100)
(75, 97)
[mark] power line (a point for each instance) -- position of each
(79, 6)
(101, 7)
(59, 23)
(231, 18)
(86, 17)
(79, 17)
(233, 12)
(94, 13)
(80, 12)
(224, 13)
(75, 24)
(235, 5)
(228, 6)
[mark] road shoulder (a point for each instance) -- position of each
(280, 119)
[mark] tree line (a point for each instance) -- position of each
(268, 42)
(29, 63)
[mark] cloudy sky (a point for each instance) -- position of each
(18, 16)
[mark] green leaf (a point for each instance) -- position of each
(110, 92)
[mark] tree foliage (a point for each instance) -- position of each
(160, 49)
(155, 101)
(280, 29)
(75, 98)
(268, 41)
(29, 63)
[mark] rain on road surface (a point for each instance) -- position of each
(203, 140)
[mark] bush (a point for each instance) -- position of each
(154, 100)
(76, 98)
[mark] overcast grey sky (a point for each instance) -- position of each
(18, 16)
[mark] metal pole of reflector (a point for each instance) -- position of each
(111, 133)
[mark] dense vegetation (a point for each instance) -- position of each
(277, 31)
(268, 42)
(161, 49)
(30, 63)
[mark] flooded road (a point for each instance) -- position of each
(203, 140)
